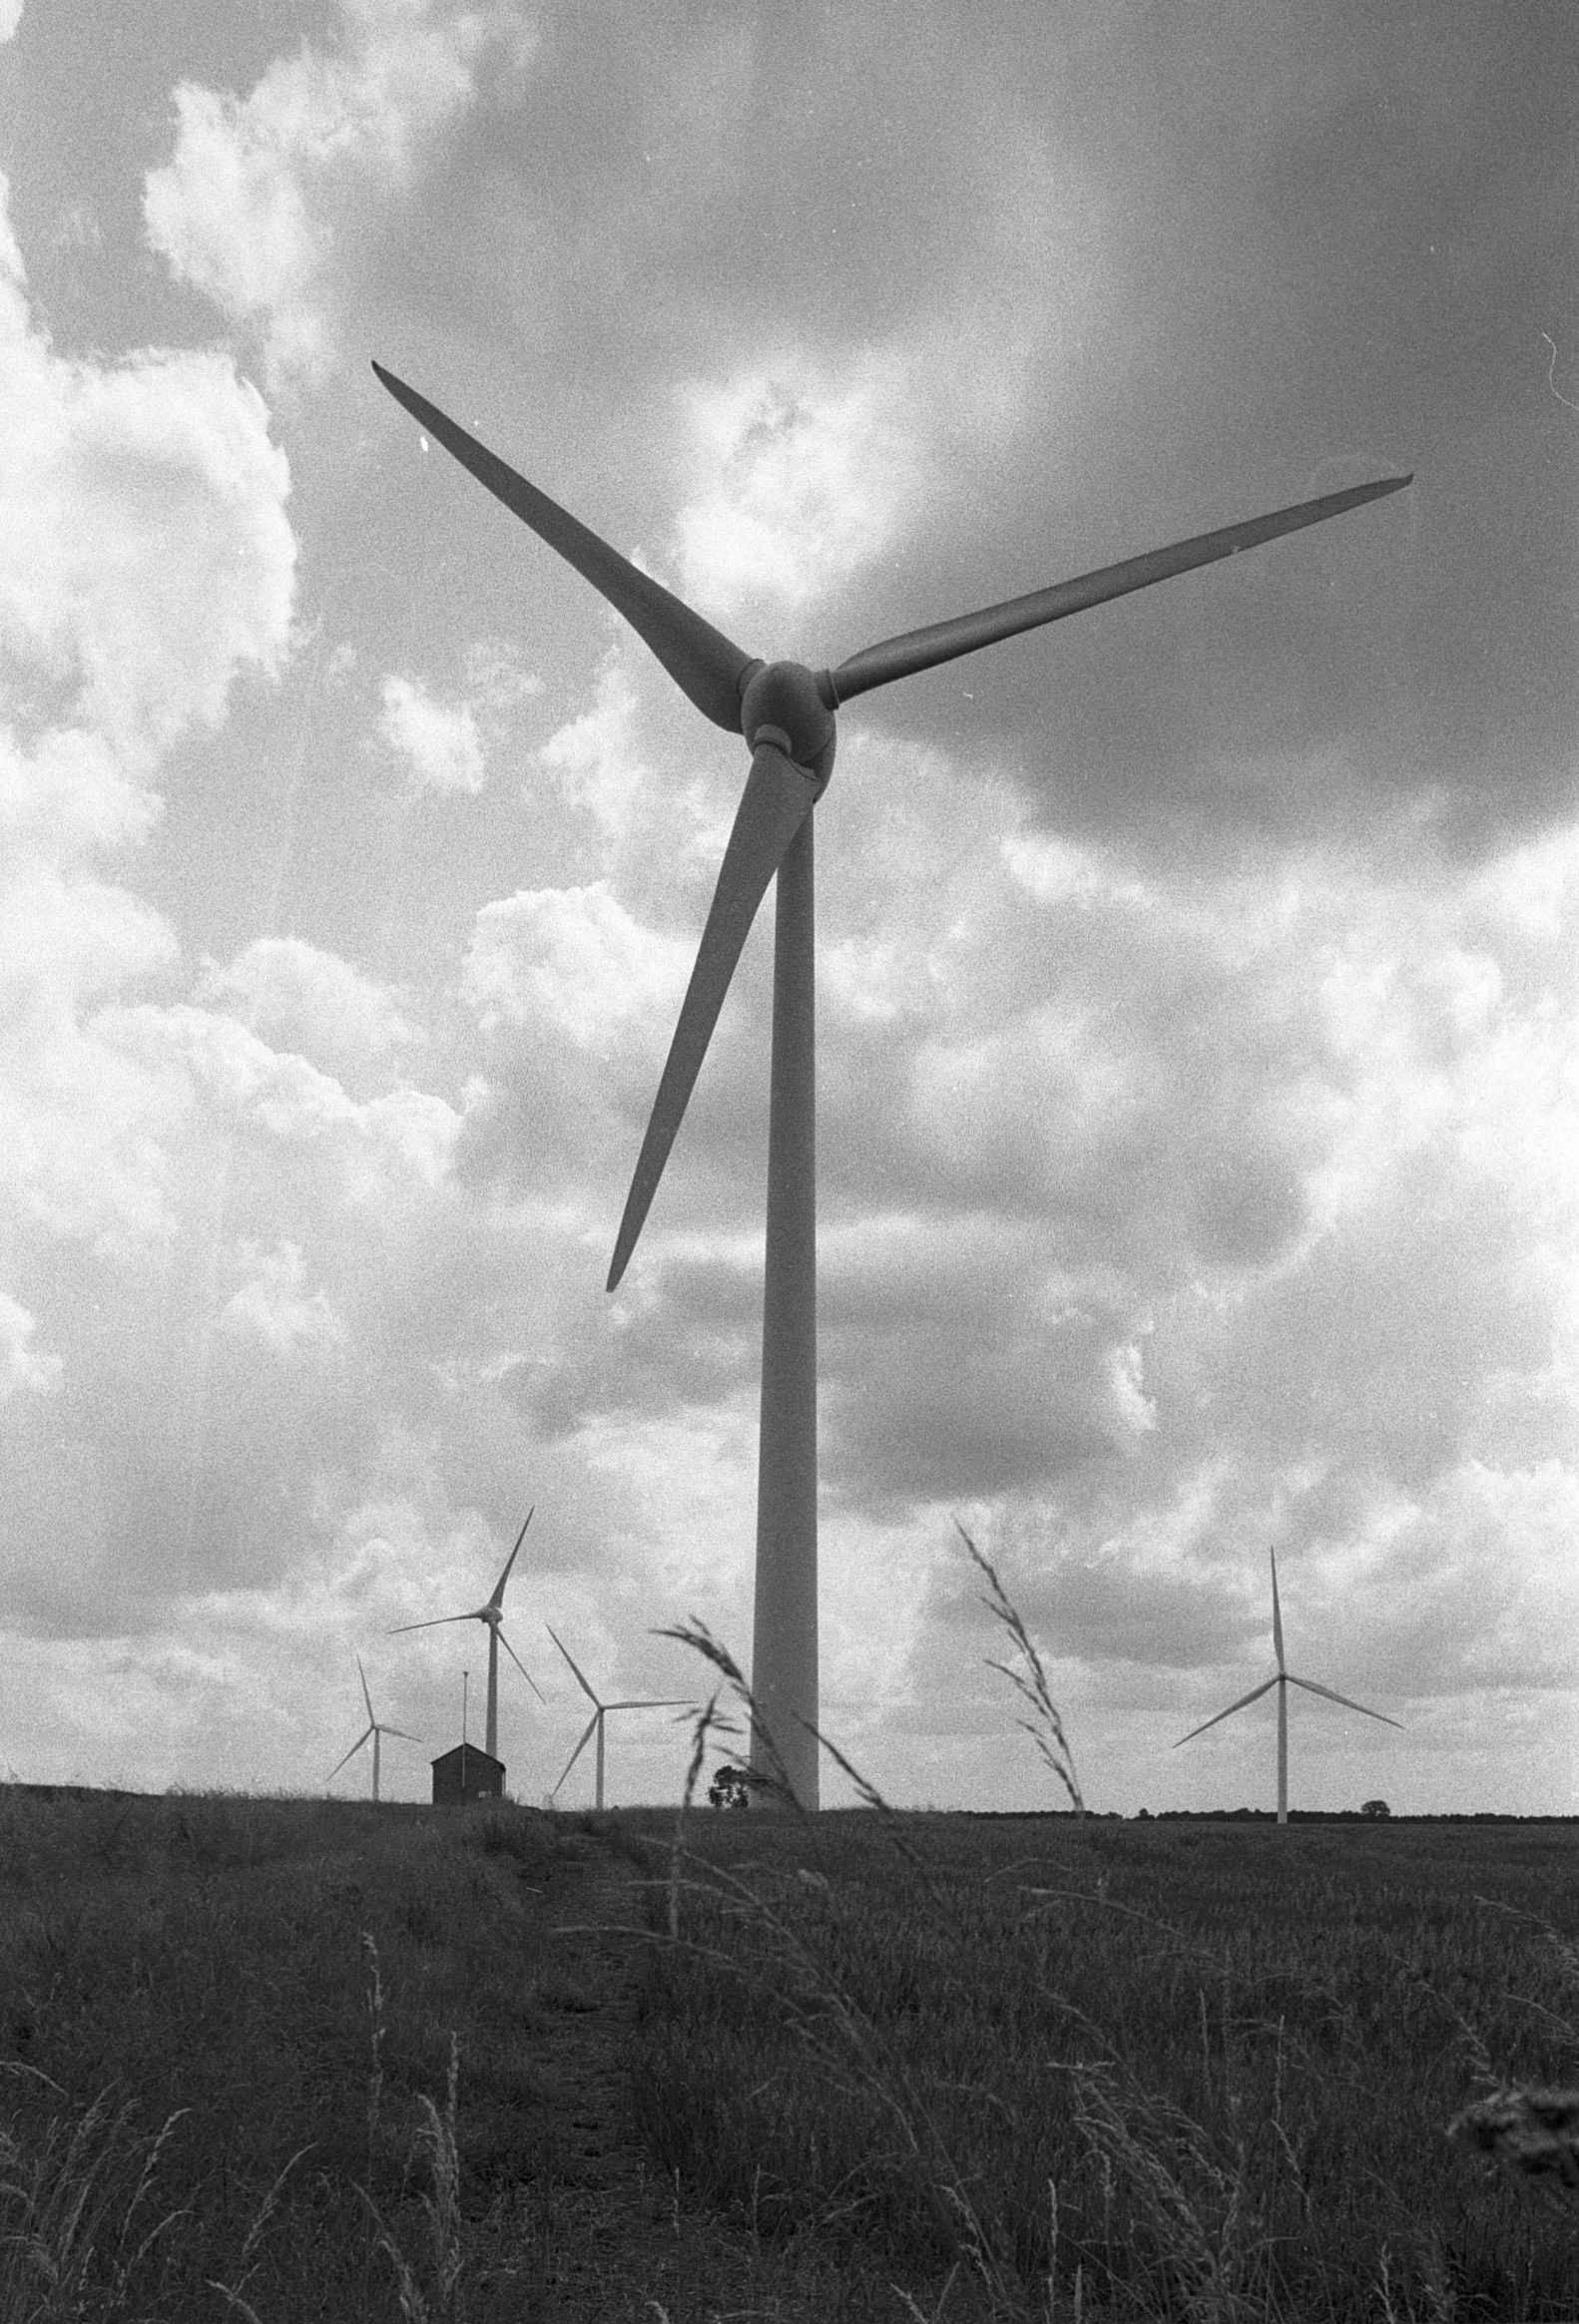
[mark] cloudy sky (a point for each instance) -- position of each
(1198, 1000)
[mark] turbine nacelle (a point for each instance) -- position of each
(783, 703)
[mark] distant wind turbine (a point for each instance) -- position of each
(599, 1711)
(491, 1613)
(785, 712)
(1283, 1681)
(375, 1730)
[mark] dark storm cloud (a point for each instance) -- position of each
(1404, 1343)
(1262, 253)
(955, 1364)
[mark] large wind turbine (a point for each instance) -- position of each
(492, 1614)
(373, 1728)
(599, 1711)
(785, 713)
(1283, 1680)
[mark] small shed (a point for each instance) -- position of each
(466, 1773)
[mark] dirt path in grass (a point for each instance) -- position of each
(599, 2235)
(585, 1995)
(577, 2235)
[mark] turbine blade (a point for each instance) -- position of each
(1277, 1614)
(705, 665)
(497, 1600)
(1255, 1696)
(774, 803)
(401, 1731)
(1311, 1687)
(670, 1703)
(437, 1622)
(366, 1697)
(574, 1664)
(576, 1754)
(520, 1666)
(919, 650)
(351, 1754)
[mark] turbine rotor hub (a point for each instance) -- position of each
(781, 703)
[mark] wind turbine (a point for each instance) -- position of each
(785, 712)
(491, 1613)
(599, 1711)
(1283, 1681)
(373, 1728)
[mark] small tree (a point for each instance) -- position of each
(1375, 1808)
(731, 1788)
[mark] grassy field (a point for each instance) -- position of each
(222, 2018)
(1208, 2070)
(293, 2060)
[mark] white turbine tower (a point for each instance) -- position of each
(373, 1728)
(1283, 1680)
(491, 1613)
(784, 712)
(599, 1711)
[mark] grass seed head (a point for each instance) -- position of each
(1045, 1726)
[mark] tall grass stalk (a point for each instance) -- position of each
(71, 2238)
(375, 2033)
(249, 2253)
(436, 2141)
(1045, 1726)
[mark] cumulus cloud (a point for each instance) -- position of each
(249, 206)
(146, 554)
(598, 758)
(81, 1128)
(273, 1304)
(145, 559)
(496, 676)
(574, 960)
(284, 986)
(438, 740)
(802, 479)
(278, 1096)
(23, 1367)
(66, 794)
